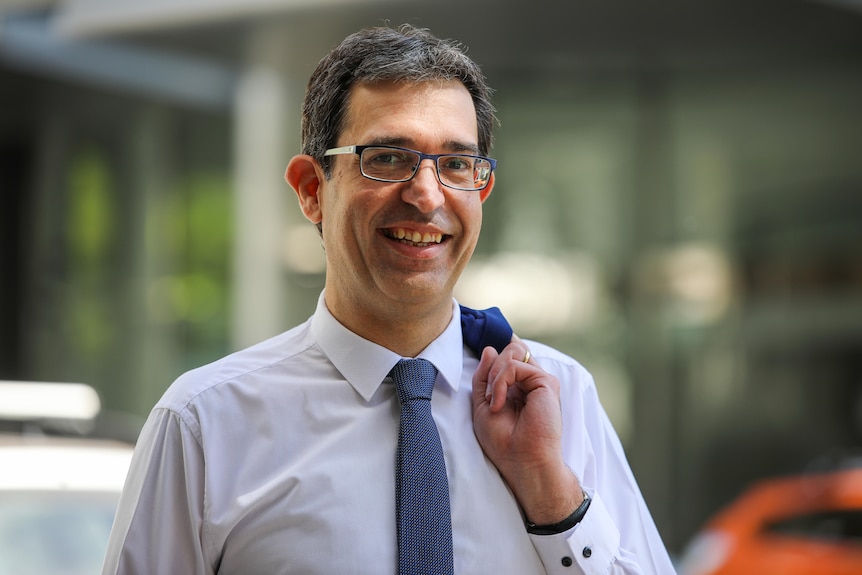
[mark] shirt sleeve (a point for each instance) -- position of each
(591, 547)
(158, 524)
(617, 535)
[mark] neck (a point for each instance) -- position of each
(404, 328)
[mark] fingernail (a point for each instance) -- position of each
(488, 392)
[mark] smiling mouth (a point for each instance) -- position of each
(413, 238)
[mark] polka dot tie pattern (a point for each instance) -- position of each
(421, 487)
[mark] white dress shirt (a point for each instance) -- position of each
(280, 459)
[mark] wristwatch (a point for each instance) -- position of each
(565, 524)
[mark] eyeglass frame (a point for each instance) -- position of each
(422, 156)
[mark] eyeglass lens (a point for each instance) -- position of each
(456, 171)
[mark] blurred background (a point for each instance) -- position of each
(677, 205)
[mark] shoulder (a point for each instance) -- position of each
(552, 358)
(567, 369)
(248, 365)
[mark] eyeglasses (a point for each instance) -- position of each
(392, 164)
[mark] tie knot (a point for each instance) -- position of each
(414, 379)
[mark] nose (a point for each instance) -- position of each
(424, 191)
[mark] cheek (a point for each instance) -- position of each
(471, 219)
(344, 223)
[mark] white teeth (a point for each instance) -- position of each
(416, 237)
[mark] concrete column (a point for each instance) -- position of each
(149, 182)
(259, 207)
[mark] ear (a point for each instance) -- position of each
(483, 195)
(305, 176)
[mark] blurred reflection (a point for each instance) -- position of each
(540, 294)
(695, 279)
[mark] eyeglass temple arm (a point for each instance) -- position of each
(341, 150)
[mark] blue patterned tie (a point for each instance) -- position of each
(421, 487)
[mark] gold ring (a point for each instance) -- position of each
(527, 357)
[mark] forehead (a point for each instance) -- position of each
(430, 112)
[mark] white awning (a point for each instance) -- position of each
(97, 17)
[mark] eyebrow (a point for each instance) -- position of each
(453, 146)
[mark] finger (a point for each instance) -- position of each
(481, 392)
(527, 353)
(514, 353)
(507, 371)
(510, 370)
(502, 374)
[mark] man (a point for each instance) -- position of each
(282, 458)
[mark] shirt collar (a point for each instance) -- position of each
(365, 364)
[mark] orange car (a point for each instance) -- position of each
(803, 525)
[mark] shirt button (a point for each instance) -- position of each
(567, 561)
(587, 552)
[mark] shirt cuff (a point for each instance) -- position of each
(590, 547)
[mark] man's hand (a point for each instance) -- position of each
(518, 422)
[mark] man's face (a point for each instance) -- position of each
(369, 267)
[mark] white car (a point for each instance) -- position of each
(58, 494)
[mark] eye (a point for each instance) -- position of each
(388, 159)
(457, 163)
